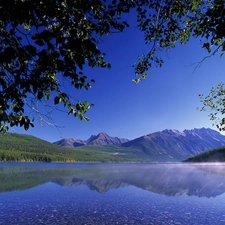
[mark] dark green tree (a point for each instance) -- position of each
(43, 40)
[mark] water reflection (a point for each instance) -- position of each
(169, 179)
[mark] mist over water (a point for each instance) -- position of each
(130, 193)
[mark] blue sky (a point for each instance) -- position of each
(167, 99)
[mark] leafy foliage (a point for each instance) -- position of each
(215, 103)
(170, 22)
(43, 42)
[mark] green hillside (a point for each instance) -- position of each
(214, 155)
(26, 148)
(21, 147)
(111, 153)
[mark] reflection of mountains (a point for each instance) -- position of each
(172, 180)
(169, 179)
(100, 186)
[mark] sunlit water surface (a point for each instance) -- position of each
(38, 193)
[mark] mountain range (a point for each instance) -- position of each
(176, 144)
(100, 139)
(162, 146)
(166, 145)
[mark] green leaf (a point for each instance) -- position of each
(60, 65)
(40, 95)
(86, 118)
(56, 100)
(80, 117)
(26, 126)
(60, 39)
(39, 42)
(31, 49)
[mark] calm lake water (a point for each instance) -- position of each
(57, 193)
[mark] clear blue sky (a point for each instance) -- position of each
(167, 99)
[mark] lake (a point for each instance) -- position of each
(95, 193)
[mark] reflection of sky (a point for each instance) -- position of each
(167, 99)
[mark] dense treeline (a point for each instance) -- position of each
(214, 155)
(27, 143)
(32, 157)
(25, 148)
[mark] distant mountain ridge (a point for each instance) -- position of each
(176, 144)
(166, 145)
(100, 139)
(70, 142)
